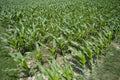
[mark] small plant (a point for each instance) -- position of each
(38, 52)
(61, 42)
(57, 71)
(80, 58)
(53, 48)
(20, 60)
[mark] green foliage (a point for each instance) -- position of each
(56, 71)
(86, 26)
(80, 57)
(20, 60)
(38, 52)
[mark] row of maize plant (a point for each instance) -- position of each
(50, 40)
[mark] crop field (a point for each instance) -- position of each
(57, 39)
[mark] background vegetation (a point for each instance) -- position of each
(56, 39)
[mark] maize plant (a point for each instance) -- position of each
(20, 60)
